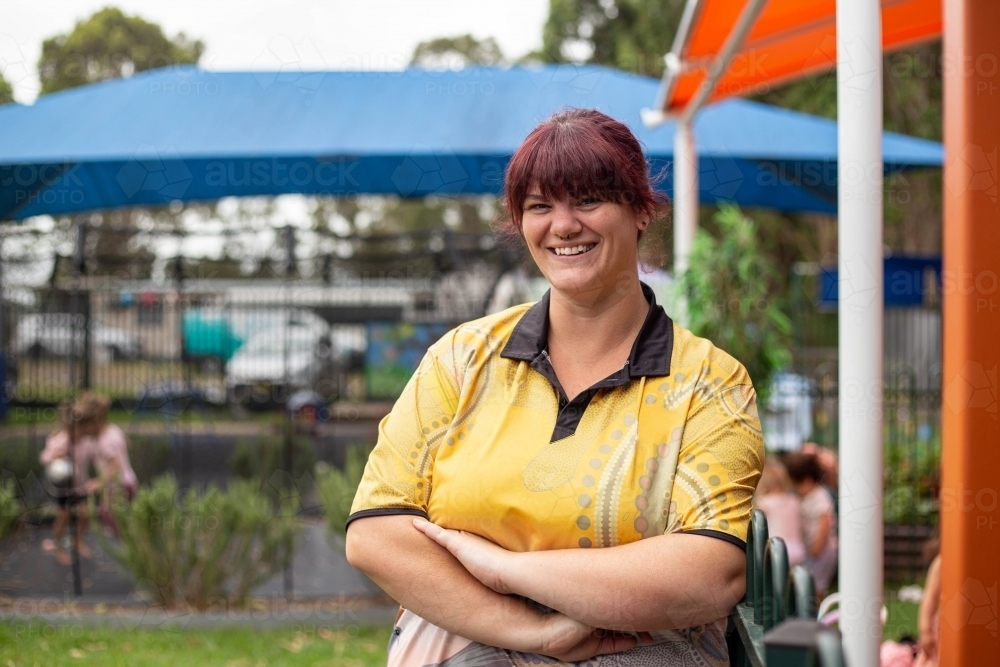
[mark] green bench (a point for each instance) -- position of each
(775, 625)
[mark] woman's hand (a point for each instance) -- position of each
(484, 560)
(570, 641)
(559, 635)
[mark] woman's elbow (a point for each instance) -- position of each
(736, 587)
(732, 587)
(355, 548)
(367, 541)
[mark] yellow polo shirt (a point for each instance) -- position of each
(483, 439)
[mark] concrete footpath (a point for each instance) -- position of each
(326, 590)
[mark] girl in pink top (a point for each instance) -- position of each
(775, 499)
(70, 442)
(110, 446)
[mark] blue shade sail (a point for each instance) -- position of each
(187, 134)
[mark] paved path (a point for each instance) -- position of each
(318, 571)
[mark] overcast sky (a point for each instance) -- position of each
(266, 34)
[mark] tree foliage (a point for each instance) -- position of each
(457, 52)
(337, 487)
(109, 45)
(731, 296)
(632, 35)
(380, 236)
(6, 91)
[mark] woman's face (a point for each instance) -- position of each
(582, 247)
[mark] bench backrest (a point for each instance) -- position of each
(775, 625)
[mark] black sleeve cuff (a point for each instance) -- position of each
(384, 511)
(732, 539)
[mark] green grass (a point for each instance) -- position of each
(40, 644)
(903, 620)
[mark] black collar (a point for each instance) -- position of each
(651, 351)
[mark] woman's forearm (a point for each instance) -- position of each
(427, 580)
(660, 583)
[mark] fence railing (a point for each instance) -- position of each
(775, 625)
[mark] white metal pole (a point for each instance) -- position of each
(859, 113)
(685, 205)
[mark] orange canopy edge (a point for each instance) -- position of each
(789, 40)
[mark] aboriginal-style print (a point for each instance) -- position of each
(483, 439)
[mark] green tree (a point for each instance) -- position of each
(6, 91)
(377, 236)
(912, 104)
(632, 35)
(109, 45)
(458, 51)
(732, 298)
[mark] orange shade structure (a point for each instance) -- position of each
(789, 39)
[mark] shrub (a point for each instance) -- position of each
(195, 549)
(730, 287)
(19, 458)
(912, 476)
(338, 487)
(10, 507)
(149, 456)
(259, 460)
(22, 470)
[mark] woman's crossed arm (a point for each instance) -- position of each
(666, 582)
(426, 579)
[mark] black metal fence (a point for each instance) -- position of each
(200, 365)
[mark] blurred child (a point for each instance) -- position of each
(827, 459)
(819, 519)
(782, 508)
(110, 446)
(929, 607)
(831, 469)
(68, 442)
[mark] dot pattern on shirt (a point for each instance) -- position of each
(468, 444)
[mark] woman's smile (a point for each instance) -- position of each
(573, 251)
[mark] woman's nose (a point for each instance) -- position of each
(564, 222)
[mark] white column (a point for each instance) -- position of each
(685, 217)
(859, 113)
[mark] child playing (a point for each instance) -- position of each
(110, 446)
(70, 443)
(929, 608)
(819, 519)
(781, 507)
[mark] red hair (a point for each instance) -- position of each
(580, 153)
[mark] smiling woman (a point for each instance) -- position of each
(569, 480)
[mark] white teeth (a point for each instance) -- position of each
(576, 250)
